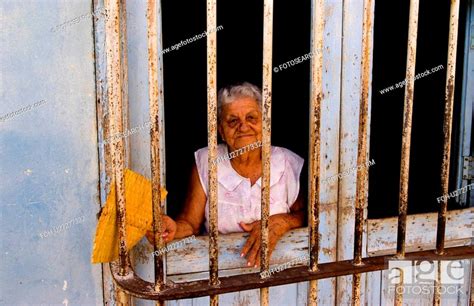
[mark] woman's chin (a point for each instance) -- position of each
(244, 141)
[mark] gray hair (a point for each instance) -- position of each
(230, 93)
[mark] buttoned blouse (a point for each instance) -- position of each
(237, 200)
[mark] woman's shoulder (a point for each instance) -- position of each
(284, 154)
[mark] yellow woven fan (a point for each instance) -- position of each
(138, 218)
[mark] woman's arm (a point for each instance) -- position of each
(293, 219)
(278, 225)
(190, 219)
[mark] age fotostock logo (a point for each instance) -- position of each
(414, 277)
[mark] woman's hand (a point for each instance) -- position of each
(168, 228)
(277, 226)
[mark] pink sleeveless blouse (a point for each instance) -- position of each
(238, 201)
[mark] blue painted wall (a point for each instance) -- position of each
(48, 154)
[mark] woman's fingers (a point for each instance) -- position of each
(252, 255)
(247, 226)
(168, 229)
(257, 262)
(248, 244)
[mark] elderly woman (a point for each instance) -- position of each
(239, 178)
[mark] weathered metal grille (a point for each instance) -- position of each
(124, 274)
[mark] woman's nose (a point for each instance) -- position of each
(244, 127)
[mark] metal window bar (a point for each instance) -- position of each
(122, 271)
(406, 139)
(155, 92)
(447, 128)
(316, 98)
(362, 176)
(266, 140)
(114, 92)
(212, 144)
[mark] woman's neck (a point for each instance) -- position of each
(248, 165)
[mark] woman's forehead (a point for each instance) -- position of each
(240, 105)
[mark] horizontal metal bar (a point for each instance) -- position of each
(134, 285)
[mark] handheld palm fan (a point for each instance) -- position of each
(138, 218)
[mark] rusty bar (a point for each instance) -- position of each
(155, 90)
(437, 285)
(407, 127)
(266, 139)
(124, 299)
(406, 136)
(399, 290)
(448, 121)
(356, 289)
(136, 286)
(212, 144)
(114, 82)
(361, 190)
(124, 67)
(362, 176)
(316, 97)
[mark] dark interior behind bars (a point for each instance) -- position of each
(239, 56)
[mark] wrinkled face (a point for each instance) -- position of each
(241, 123)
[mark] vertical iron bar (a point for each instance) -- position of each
(316, 97)
(447, 128)
(437, 284)
(155, 90)
(406, 136)
(361, 185)
(114, 95)
(448, 121)
(124, 64)
(212, 144)
(123, 298)
(266, 138)
(407, 127)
